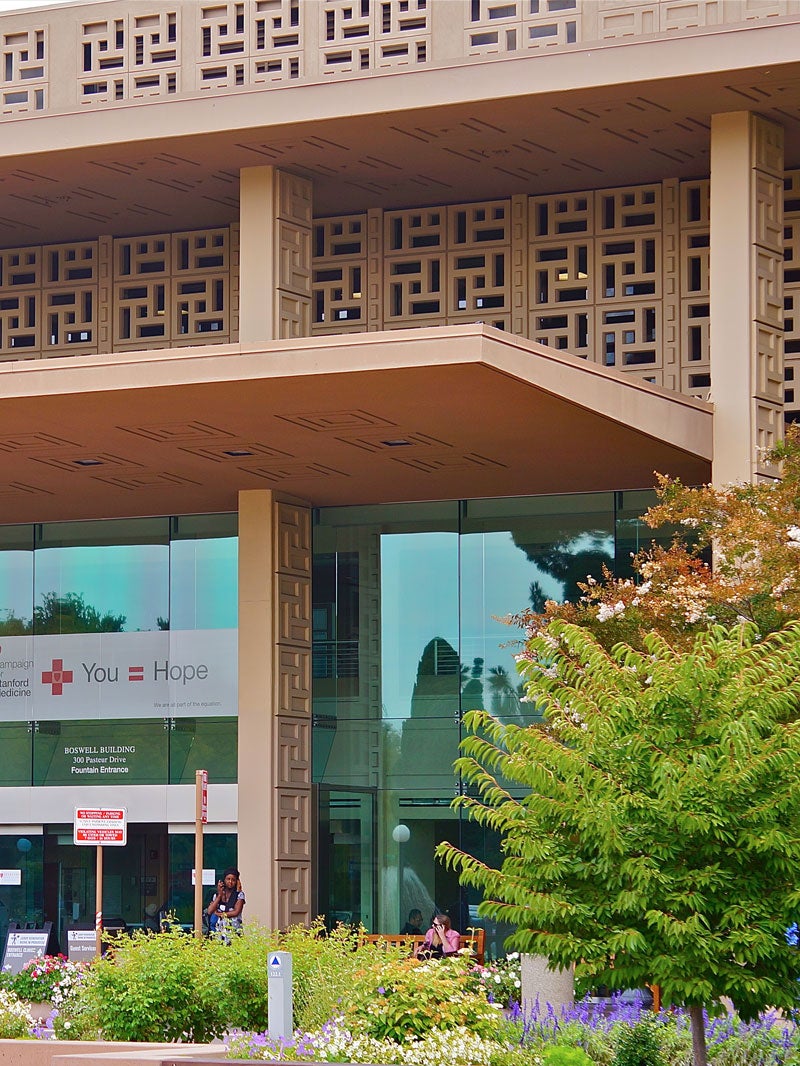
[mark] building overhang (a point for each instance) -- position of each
(421, 414)
(612, 113)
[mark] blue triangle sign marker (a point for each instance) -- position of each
(274, 961)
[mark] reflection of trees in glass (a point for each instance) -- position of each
(62, 614)
(472, 686)
(162, 623)
(12, 626)
(568, 559)
(71, 614)
(501, 689)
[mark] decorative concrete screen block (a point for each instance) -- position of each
(131, 57)
(24, 84)
(762, 9)
(448, 264)
(160, 49)
(495, 26)
(257, 42)
(70, 298)
(478, 263)
(20, 280)
(201, 297)
(539, 982)
(694, 288)
(363, 35)
(339, 302)
(171, 289)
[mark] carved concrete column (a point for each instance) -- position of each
(275, 215)
(746, 294)
(274, 806)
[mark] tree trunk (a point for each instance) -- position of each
(699, 1053)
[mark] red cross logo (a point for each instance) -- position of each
(57, 677)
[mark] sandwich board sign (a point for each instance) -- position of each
(81, 945)
(23, 945)
(101, 826)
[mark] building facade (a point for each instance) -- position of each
(331, 331)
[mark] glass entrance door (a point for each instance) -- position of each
(135, 879)
(347, 890)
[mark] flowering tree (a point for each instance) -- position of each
(658, 839)
(659, 833)
(753, 532)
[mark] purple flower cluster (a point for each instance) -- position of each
(774, 1035)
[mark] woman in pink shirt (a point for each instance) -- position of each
(441, 939)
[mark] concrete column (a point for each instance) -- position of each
(274, 255)
(746, 294)
(275, 708)
(256, 683)
(539, 982)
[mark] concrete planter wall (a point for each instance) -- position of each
(91, 1053)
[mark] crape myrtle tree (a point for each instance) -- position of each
(651, 823)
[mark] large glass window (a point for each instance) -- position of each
(409, 603)
(118, 651)
(203, 572)
(102, 577)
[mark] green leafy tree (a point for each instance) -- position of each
(657, 839)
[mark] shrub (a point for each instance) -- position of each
(15, 1021)
(559, 1055)
(405, 1000)
(149, 988)
(232, 978)
(639, 1046)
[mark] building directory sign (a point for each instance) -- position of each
(100, 826)
(153, 674)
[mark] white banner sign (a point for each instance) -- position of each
(10, 877)
(209, 877)
(188, 673)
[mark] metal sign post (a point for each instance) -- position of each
(200, 819)
(279, 994)
(94, 827)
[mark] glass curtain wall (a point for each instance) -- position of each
(133, 576)
(408, 636)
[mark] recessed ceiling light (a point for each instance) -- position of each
(399, 443)
(236, 453)
(88, 462)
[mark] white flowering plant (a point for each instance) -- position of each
(335, 1042)
(500, 980)
(15, 1019)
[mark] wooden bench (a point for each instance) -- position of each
(475, 940)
